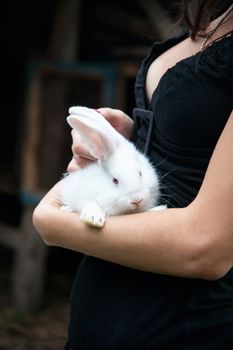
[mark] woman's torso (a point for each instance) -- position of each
(167, 60)
(113, 307)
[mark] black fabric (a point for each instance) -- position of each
(190, 106)
(144, 120)
(113, 307)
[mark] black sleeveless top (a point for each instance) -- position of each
(190, 106)
(114, 307)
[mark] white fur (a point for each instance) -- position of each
(91, 190)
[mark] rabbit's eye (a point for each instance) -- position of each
(140, 173)
(115, 181)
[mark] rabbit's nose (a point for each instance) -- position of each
(136, 202)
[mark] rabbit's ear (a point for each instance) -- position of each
(95, 120)
(97, 142)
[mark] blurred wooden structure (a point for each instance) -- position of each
(53, 89)
(30, 252)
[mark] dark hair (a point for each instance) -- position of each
(196, 15)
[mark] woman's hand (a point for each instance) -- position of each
(52, 199)
(47, 211)
(118, 119)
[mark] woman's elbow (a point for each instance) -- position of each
(213, 272)
(209, 256)
(211, 264)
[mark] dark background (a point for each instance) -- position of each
(26, 28)
(109, 31)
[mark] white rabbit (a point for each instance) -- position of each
(122, 180)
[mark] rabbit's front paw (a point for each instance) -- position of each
(92, 214)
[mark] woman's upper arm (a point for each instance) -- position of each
(212, 210)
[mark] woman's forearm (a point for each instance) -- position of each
(160, 242)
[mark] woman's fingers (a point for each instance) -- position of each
(77, 162)
(81, 156)
(119, 120)
(78, 147)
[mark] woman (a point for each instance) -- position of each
(164, 280)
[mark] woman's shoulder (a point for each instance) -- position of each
(219, 54)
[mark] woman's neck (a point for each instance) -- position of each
(220, 26)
